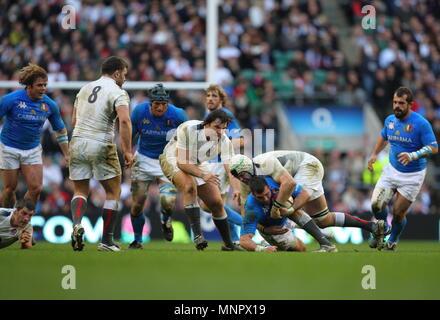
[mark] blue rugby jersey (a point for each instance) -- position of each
(155, 132)
(256, 213)
(408, 135)
(24, 119)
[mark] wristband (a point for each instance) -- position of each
(259, 248)
(62, 138)
(423, 152)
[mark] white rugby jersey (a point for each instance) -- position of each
(191, 136)
(8, 233)
(274, 164)
(96, 105)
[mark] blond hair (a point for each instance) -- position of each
(220, 91)
(30, 73)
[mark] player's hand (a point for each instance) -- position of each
(236, 197)
(25, 237)
(404, 158)
(274, 230)
(67, 160)
(371, 160)
(275, 213)
(211, 177)
(271, 249)
(128, 159)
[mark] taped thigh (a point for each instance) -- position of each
(321, 215)
(380, 197)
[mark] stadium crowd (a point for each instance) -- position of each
(270, 51)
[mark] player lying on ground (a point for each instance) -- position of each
(289, 168)
(15, 224)
(257, 214)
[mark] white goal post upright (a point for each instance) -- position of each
(211, 63)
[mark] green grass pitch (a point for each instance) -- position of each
(164, 271)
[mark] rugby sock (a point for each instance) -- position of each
(382, 215)
(223, 228)
(164, 215)
(397, 228)
(234, 219)
(78, 207)
(305, 222)
(138, 225)
(193, 214)
(110, 214)
(346, 220)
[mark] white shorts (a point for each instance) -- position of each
(285, 241)
(146, 169)
(93, 159)
(309, 176)
(170, 168)
(13, 158)
(219, 168)
(408, 184)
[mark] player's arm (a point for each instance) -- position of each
(25, 239)
(248, 244)
(63, 142)
(238, 143)
(60, 128)
(134, 124)
(381, 143)
(430, 146)
(125, 131)
(184, 164)
(235, 184)
(250, 222)
(74, 113)
(287, 186)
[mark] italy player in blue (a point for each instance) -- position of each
(216, 99)
(257, 215)
(411, 140)
(25, 112)
(154, 123)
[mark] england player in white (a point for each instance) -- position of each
(15, 224)
(184, 163)
(93, 152)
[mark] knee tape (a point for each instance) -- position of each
(167, 194)
(380, 197)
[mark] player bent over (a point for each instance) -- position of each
(184, 163)
(216, 99)
(411, 140)
(257, 212)
(15, 224)
(289, 168)
(155, 123)
(93, 153)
